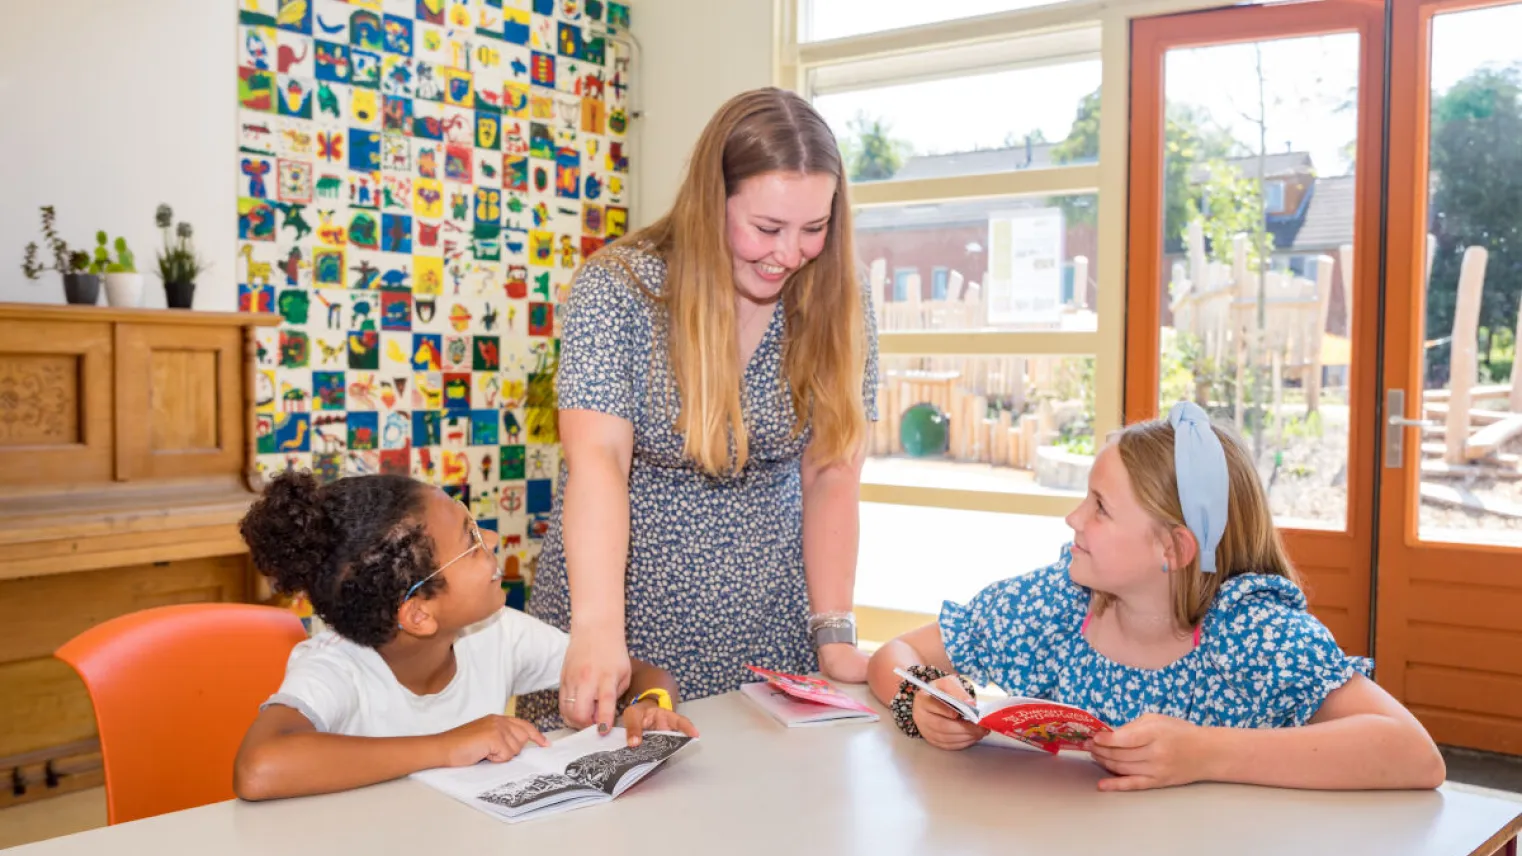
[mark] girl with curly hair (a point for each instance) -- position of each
(421, 656)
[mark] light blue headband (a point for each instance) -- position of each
(1199, 463)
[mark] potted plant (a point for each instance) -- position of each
(178, 263)
(79, 285)
(124, 285)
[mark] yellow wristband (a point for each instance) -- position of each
(661, 697)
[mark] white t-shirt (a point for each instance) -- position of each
(345, 688)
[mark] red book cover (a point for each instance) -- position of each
(1048, 725)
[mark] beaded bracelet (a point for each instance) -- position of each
(902, 705)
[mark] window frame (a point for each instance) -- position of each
(1274, 185)
(940, 282)
(792, 67)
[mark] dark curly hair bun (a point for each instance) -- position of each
(289, 535)
(354, 546)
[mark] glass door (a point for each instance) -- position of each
(1449, 608)
(1253, 251)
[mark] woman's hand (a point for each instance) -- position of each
(842, 662)
(595, 674)
(941, 726)
(492, 738)
(650, 716)
(1151, 751)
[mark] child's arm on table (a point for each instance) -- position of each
(941, 726)
(284, 755)
(1360, 738)
(648, 715)
(919, 647)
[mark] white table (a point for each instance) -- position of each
(751, 786)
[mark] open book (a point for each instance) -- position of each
(575, 771)
(796, 700)
(1047, 725)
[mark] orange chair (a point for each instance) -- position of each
(174, 689)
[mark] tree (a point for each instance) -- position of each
(1190, 138)
(1476, 196)
(1230, 205)
(871, 153)
(1013, 140)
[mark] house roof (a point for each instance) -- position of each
(1036, 156)
(1329, 219)
(971, 212)
(1328, 211)
(939, 215)
(1274, 165)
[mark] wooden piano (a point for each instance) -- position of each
(126, 461)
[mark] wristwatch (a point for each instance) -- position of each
(826, 634)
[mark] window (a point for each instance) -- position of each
(1011, 424)
(1273, 197)
(1000, 263)
(901, 282)
(949, 126)
(835, 19)
(988, 149)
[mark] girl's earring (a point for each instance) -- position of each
(1165, 566)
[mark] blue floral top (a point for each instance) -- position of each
(1262, 660)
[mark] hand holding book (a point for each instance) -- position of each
(492, 738)
(585, 768)
(1046, 725)
(945, 714)
(649, 716)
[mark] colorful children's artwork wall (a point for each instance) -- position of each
(418, 182)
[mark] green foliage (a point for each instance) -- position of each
(1187, 374)
(125, 261)
(1231, 205)
(64, 260)
(1476, 194)
(1178, 370)
(1304, 427)
(1075, 443)
(101, 262)
(177, 260)
(871, 153)
(1190, 137)
(1073, 380)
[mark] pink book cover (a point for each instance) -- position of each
(807, 688)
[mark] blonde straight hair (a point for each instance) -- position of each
(1250, 545)
(824, 350)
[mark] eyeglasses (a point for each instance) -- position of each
(477, 544)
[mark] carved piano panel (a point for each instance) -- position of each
(55, 404)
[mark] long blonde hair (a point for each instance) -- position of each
(1250, 544)
(824, 352)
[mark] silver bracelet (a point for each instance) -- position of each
(831, 627)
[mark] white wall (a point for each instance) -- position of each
(694, 55)
(111, 108)
(108, 109)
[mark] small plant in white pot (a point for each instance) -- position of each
(124, 285)
(178, 263)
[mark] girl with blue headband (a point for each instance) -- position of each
(1176, 617)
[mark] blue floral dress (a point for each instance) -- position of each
(715, 575)
(1262, 659)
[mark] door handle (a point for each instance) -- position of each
(1395, 425)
